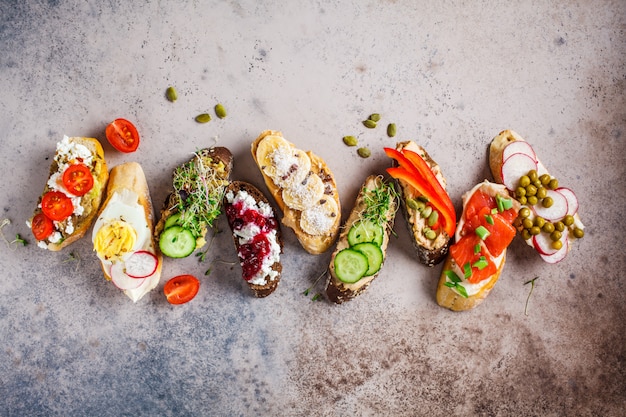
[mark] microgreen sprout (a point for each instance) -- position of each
(532, 287)
(317, 296)
(15, 242)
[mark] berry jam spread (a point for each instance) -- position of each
(255, 227)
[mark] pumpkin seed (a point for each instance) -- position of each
(220, 111)
(350, 140)
(203, 118)
(430, 234)
(375, 117)
(171, 94)
(364, 152)
(427, 212)
(432, 219)
(391, 130)
(369, 123)
(415, 204)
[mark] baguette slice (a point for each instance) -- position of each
(208, 173)
(247, 209)
(124, 226)
(451, 296)
(430, 252)
(496, 161)
(337, 290)
(69, 151)
(304, 189)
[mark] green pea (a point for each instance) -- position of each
(557, 244)
(522, 200)
(556, 235)
(548, 227)
(559, 226)
(527, 223)
(520, 192)
(532, 175)
(545, 179)
(547, 202)
(541, 193)
(524, 212)
(568, 220)
(531, 190)
(532, 200)
(553, 184)
(535, 230)
(539, 221)
(578, 233)
(526, 234)
(524, 181)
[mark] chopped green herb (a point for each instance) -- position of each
(489, 219)
(482, 232)
(477, 249)
(458, 287)
(317, 297)
(481, 263)
(467, 270)
(452, 276)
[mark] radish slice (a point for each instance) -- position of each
(122, 280)
(518, 147)
(572, 200)
(514, 167)
(559, 255)
(556, 211)
(543, 243)
(141, 264)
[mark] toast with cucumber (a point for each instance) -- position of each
(191, 209)
(304, 189)
(257, 236)
(549, 221)
(426, 206)
(362, 244)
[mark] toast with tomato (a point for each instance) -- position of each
(123, 233)
(257, 236)
(303, 187)
(549, 221)
(362, 245)
(72, 195)
(476, 259)
(426, 206)
(191, 209)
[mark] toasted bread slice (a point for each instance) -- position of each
(375, 203)
(205, 175)
(259, 254)
(125, 225)
(304, 189)
(72, 150)
(430, 252)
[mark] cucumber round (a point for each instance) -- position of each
(177, 242)
(350, 265)
(365, 231)
(176, 220)
(374, 256)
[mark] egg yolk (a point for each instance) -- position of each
(114, 240)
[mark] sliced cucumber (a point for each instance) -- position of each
(374, 256)
(350, 265)
(177, 220)
(365, 231)
(177, 242)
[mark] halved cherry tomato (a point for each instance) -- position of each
(77, 179)
(122, 135)
(56, 205)
(42, 226)
(181, 289)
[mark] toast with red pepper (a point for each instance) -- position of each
(426, 206)
(257, 236)
(362, 245)
(476, 258)
(303, 187)
(72, 195)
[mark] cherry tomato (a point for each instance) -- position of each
(77, 179)
(56, 205)
(122, 135)
(42, 226)
(181, 289)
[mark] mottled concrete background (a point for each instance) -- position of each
(451, 76)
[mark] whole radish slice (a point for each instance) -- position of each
(557, 210)
(141, 264)
(572, 200)
(559, 255)
(514, 167)
(122, 280)
(518, 147)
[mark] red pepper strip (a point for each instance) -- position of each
(430, 177)
(449, 219)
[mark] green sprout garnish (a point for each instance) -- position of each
(532, 287)
(317, 296)
(19, 240)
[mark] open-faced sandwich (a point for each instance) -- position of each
(476, 259)
(122, 234)
(72, 194)
(549, 220)
(362, 244)
(304, 190)
(426, 206)
(257, 236)
(191, 209)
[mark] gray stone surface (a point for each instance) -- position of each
(451, 75)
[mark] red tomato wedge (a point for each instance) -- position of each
(77, 179)
(56, 205)
(181, 289)
(122, 135)
(42, 226)
(465, 255)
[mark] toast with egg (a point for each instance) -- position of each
(303, 187)
(123, 233)
(476, 258)
(257, 236)
(72, 195)
(195, 203)
(362, 244)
